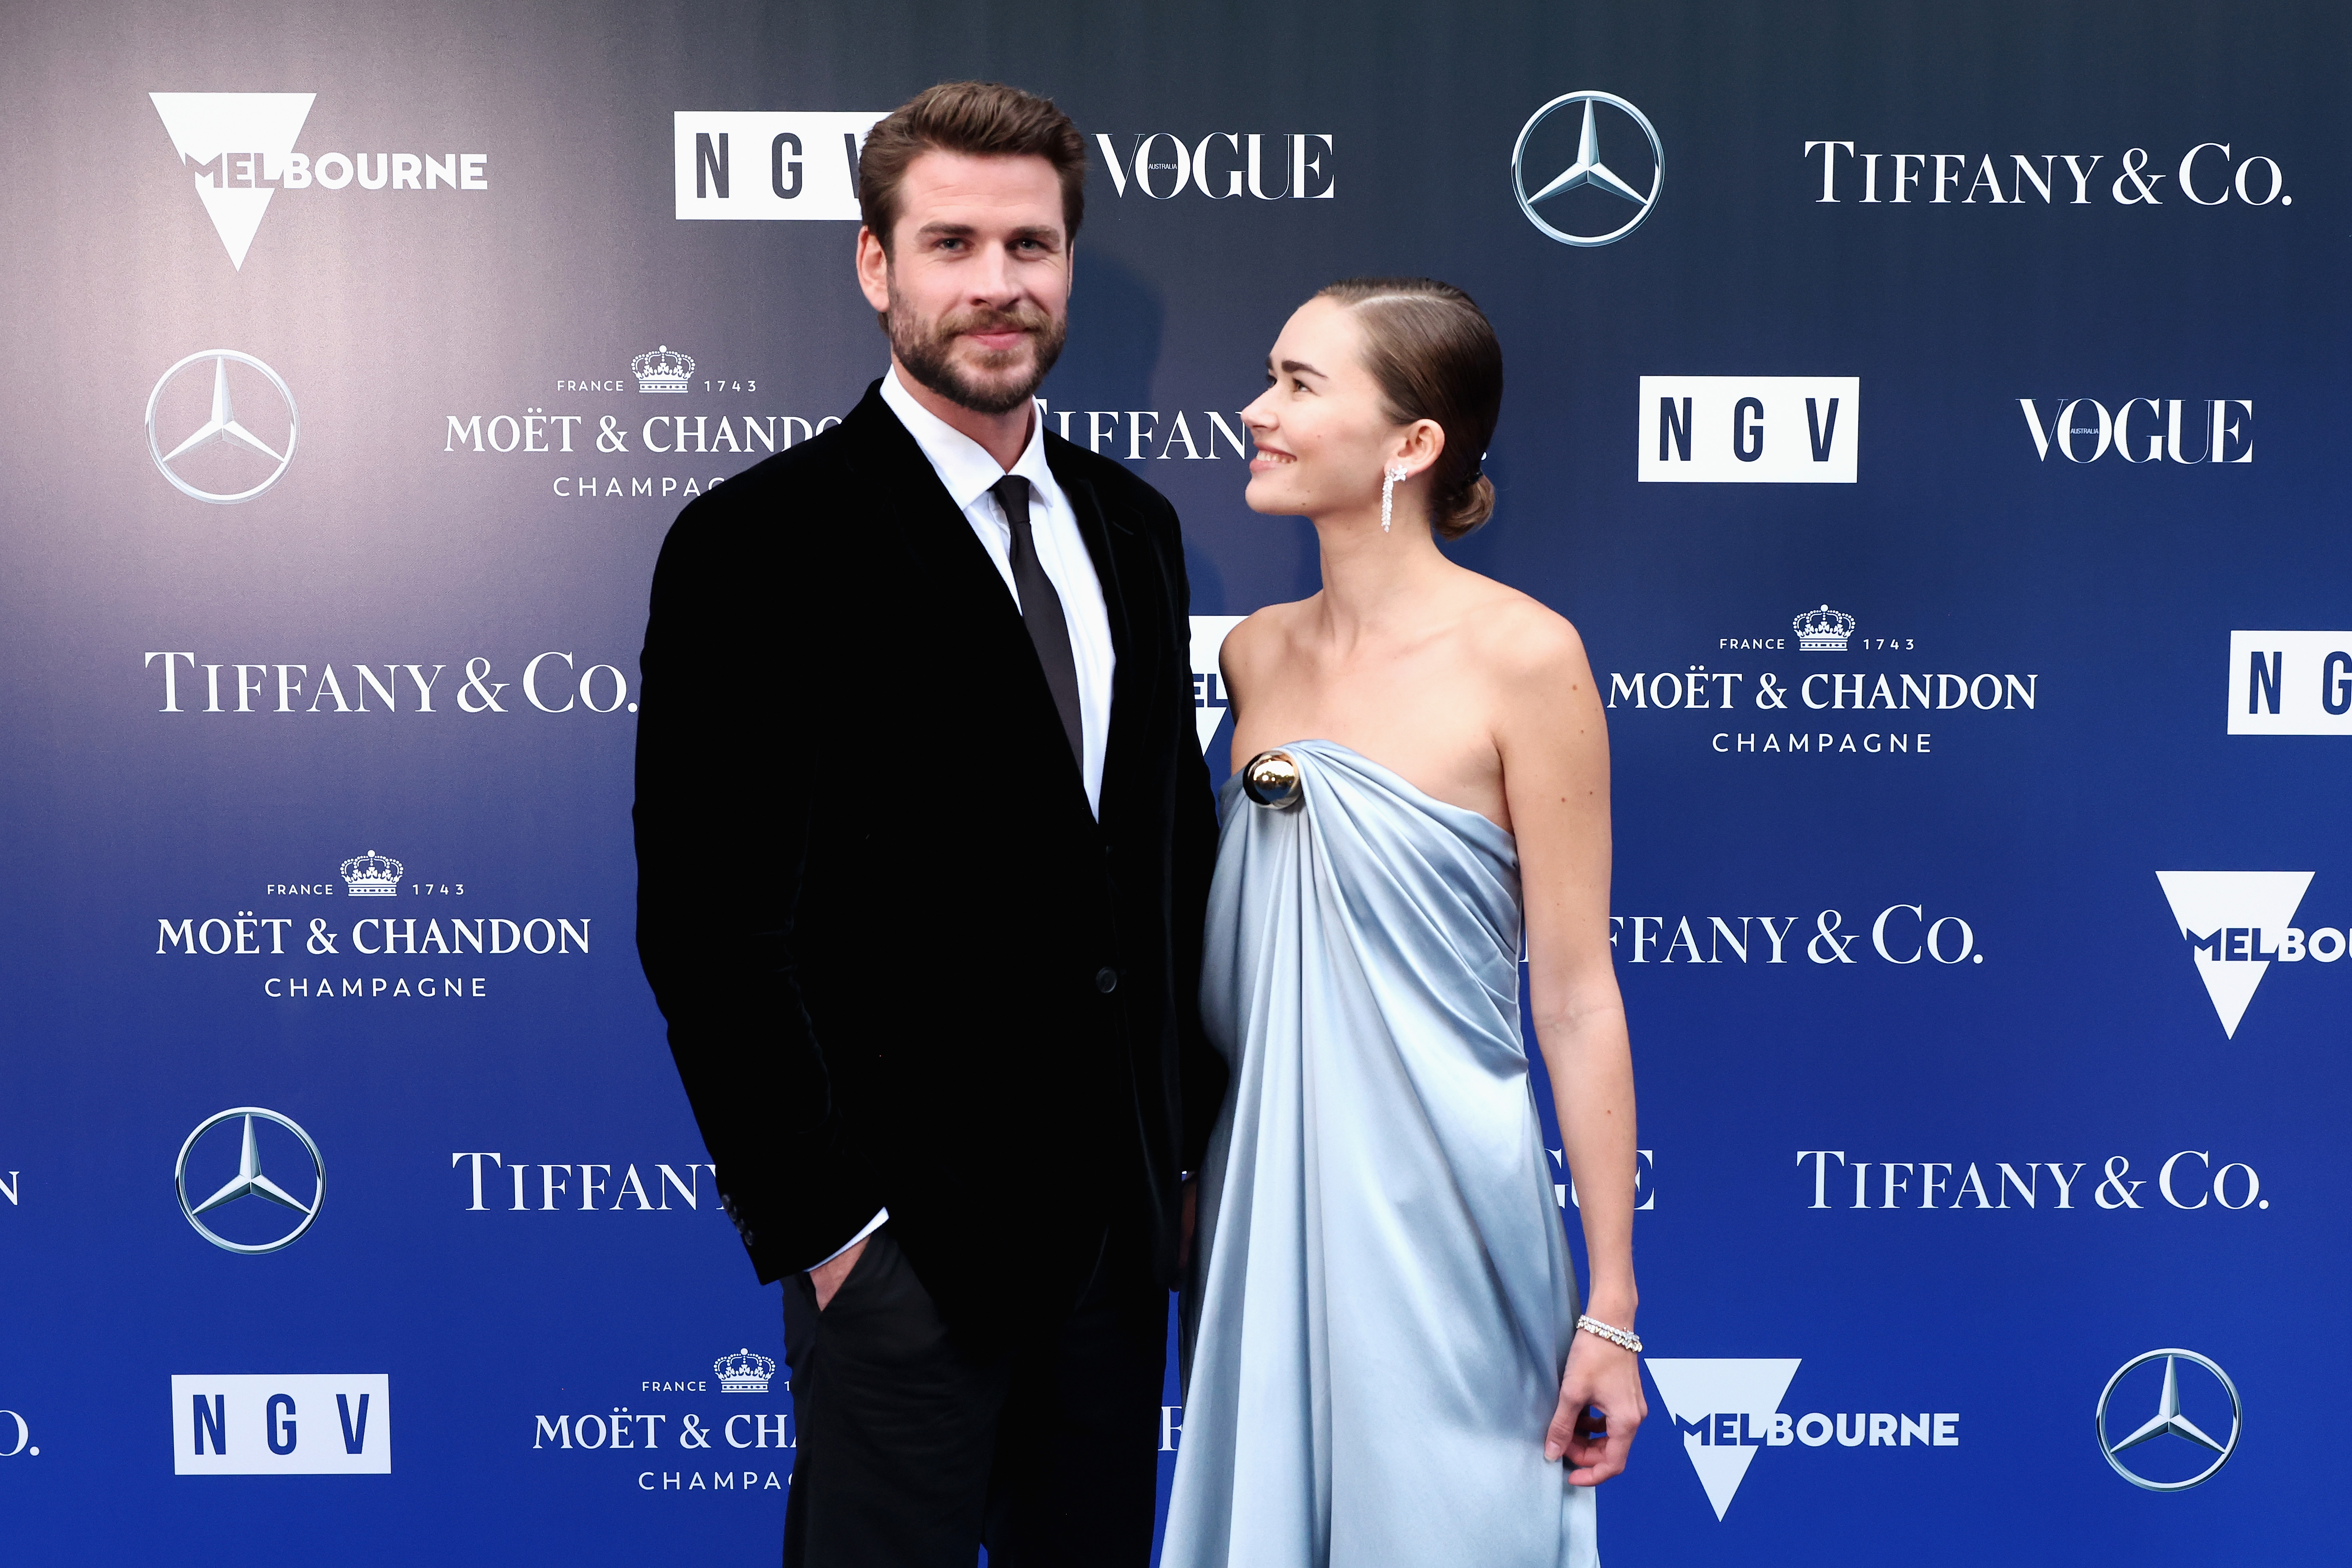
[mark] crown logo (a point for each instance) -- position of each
(743, 1373)
(1823, 630)
(373, 876)
(664, 370)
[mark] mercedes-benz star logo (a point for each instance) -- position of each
(1588, 169)
(2168, 1420)
(222, 426)
(250, 1182)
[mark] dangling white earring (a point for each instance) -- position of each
(1388, 492)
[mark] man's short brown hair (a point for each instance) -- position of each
(979, 119)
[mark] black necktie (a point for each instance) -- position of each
(1041, 611)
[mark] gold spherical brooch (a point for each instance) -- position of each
(1271, 779)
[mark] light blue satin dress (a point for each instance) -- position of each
(1382, 1300)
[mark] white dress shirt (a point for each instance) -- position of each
(967, 470)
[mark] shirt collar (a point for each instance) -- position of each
(962, 464)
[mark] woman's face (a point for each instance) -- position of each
(1321, 429)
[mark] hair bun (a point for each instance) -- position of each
(1472, 504)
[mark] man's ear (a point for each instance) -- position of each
(873, 269)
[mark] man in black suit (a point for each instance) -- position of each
(924, 838)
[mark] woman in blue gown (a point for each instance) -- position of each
(1385, 1366)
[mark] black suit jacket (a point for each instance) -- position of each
(901, 962)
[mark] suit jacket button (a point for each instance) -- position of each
(1106, 981)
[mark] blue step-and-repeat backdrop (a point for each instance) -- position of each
(1932, 416)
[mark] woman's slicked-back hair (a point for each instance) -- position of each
(1433, 354)
(981, 119)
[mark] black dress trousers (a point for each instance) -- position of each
(913, 1441)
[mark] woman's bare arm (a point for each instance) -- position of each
(1553, 740)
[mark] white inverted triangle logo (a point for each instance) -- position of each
(1208, 641)
(206, 125)
(1723, 1408)
(2210, 905)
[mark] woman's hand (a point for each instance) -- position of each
(1599, 1374)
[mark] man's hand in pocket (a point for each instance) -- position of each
(828, 1275)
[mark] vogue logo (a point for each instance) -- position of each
(1223, 165)
(2209, 175)
(2083, 431)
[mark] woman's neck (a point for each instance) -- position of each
(1374, 579)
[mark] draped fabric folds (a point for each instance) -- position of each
(1382, 1300)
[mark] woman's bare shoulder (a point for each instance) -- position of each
(1519, 636)
(1257, 639)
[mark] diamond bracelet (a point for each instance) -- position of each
(1623, 1339)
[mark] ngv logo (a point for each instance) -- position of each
(2236, 925)
(2081, 430)
(2290, 683)
(1749, 429)
(1223, 165)
(240, 147)
(282, 1425)
(782, 164)
(1726, 1410)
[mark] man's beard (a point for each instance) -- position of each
(924, 348)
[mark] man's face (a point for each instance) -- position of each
(975, 287)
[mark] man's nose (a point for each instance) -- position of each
(992, 279)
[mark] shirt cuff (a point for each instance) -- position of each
(871, 1227)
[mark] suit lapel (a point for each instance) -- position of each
(1122, 565)
(958, 593)
(920, 522)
